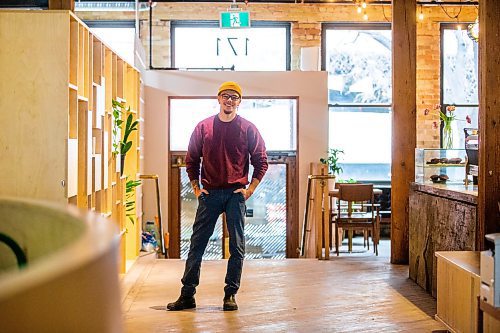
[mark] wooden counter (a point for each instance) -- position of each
(441, 218)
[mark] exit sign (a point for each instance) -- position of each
(235, 20)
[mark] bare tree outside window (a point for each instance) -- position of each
(359, 66)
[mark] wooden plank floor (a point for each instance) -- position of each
(350, 293)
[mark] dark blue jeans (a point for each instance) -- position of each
(210, 206)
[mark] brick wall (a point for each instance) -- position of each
(306, 22)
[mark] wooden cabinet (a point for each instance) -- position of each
(458, 283)
(57, 85)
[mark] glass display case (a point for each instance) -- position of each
(439, 166)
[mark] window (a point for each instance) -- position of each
(264, 113)
(263, 47)
(459, 75)
(119, 35)
(358, 61)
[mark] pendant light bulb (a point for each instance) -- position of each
(421, 14)
(359, 9)
(363, 4)
(365, 16)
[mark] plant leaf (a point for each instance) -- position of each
(125, 147)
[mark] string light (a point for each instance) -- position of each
(358, 6)
(421, 15)
(456, 17)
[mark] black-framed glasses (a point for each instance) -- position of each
(232, 97)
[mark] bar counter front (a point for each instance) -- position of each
(441, 218)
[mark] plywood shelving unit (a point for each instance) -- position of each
(58, 83)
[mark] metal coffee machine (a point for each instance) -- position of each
(472, 155)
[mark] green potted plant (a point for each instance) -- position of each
(130, 185)
(332, 160)
(122, 147)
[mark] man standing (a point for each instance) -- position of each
(223, 144)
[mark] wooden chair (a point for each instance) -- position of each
(356, 210)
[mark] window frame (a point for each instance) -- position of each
(354, 26)
(350, 26)
(110, 23)
(215, 24)
(294, 138)
(448, 26)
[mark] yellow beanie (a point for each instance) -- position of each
(230, 85)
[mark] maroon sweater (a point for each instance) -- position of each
(226, 149)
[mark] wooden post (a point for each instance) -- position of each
(174, 222)
(310, 227)
(317, 228)
(489, 119)
(326, 214)
(318, 217)
(403, 123)
(292, 216)
(62, 4)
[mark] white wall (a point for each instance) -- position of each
(309, 87)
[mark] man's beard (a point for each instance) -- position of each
(233, 109)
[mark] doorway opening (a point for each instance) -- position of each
(272, 211)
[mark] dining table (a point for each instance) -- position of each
(333, 194)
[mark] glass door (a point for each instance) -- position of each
(265, 224)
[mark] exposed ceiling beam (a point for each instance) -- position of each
(44, 3)
(346, 2)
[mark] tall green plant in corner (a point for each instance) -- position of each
(122, 147)
(130, 185)
(332, 160)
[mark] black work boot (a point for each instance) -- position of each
(230, 303)
(184, 302)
